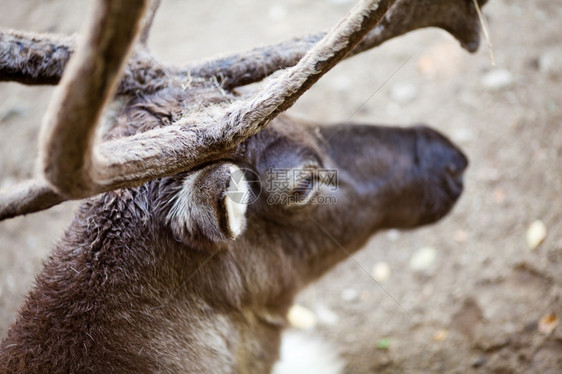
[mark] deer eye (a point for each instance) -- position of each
(303, 189)
(304, 186)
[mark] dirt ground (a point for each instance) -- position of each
(476, 307)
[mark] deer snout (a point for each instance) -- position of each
(456, 165)
(440, 157)
(443, 165)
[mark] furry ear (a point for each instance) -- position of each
(210, 204)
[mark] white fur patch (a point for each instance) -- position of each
(236, 201)
(302, 352)
(179, 215)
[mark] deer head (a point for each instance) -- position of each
(210, 210)
(299, 182)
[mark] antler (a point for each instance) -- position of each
(40, 59)
(88, 83)
(458, 17)
(76, 169)
(28, 197)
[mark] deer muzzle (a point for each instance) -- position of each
(407, 176)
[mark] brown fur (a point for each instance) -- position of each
(124, 292)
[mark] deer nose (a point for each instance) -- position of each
(457, 164)
(443, 165)
(440, 154)
(456, 167)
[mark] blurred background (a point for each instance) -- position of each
(480, 291)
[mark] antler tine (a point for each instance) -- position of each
(40, 59)
(28, 197)
(33, 58)
(89, 81)
(458, 17)
(149, 19)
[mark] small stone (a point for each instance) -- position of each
(497, 79)
(479, 362)
(536, 233)
(9, 112)
(422, 259)
(460, 236)
(383, 361)
(490, 341)
(381, 272)
(550, 62)
(443, 59)
(365, 296)
(349, 294)
(301, 317)
(404, 92)
(499, 195)
(427, 291)
(440, 335)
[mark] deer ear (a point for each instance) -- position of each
(235, 202)
(210, 205)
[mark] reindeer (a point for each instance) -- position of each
(178, 260)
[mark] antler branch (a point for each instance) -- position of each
(87, 85)
(149, 19)
(458, 17)
(89, 82)
(197, 139)
(202, 137)
(28, 197)
(33, 58)
(41, 58)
